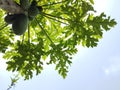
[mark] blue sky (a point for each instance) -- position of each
(92, 69)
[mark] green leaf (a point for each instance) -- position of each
(54, 33)
(92, 1)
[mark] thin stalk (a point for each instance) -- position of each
(55, 16)
(38, 1)
(29, 35)
(23, 38)
(44, 32)
(54, 3)
(55, 19)
(3, 26)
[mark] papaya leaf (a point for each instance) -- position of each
(54, 32)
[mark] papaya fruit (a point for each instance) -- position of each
(33, 3)
(25, 4)
(31, 18)
(33, 11)
(19, 26)
(9, 19)
(40, 8)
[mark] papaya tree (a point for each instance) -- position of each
(38, 32)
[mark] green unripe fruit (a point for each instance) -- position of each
(19, 26)
(30, 18)
(33, 11)
(40, 8)
(9, 19)
(25, 4)
(34, 3)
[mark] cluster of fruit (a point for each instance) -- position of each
(20, 21)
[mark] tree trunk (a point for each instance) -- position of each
(11, 6)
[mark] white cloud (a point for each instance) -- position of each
(113, 67)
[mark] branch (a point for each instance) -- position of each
(13, 81)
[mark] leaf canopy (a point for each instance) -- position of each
(55, 32)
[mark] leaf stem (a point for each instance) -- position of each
(55, 16)
(29, 35)
(3, 26)
(56, 20)
(44, 32)
(23, 38)
(54, 3)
